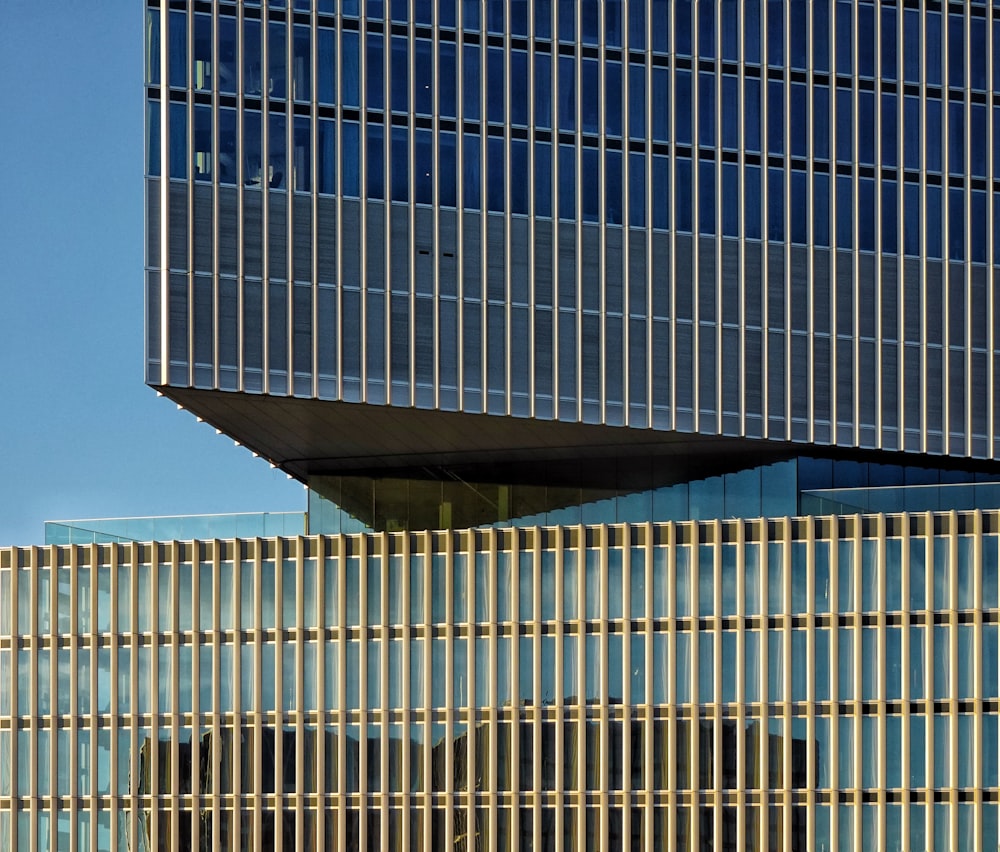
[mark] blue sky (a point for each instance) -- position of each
(81, 436)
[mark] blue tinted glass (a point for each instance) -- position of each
(845, 194)
(400, 163)
(613, 98)
(978, 53)
(543, 18)
(326, 62)
(590, 189)
(423, 162)
(637, 102)
(706, 110)
(567, 20)
(978, 135)
(866, 40)
(682, 107)
(889, 136)
(956, 51)
(326, 156)
(775, 205)
(423, 77)
(729, 198)
(567, 182)
(302, 155)
(888, 43)
(661, 192)
(589, 106)
(845, 135)
(956, 138)
(821, 37)
(637, 190)
(349, 83)
(798, 222)
(519, 87)
(567, 94)
(706, 197)
(251, 148)
(201, 65)
(932, 127)
(661, 105)
(751, 31)
(495, 174)
(821, 122)
(729, 19)
(775, 118)
(519, 184)
(932, 48)
(775, 34)
(543, 90)
(447, 76)
(470, 14)
(496, 79)
(447, 171)
(752, 202)
(911, 220)
(683, 196)
(301, 64)
(845, 35)
(277, 61)
(751, 116)
(821, 209)
(446, 13)
(637, 25)
(613, 23)
(374, 9)
(978, 223)
(375, 186)
(866, 127)
(350, 175)
(798, 124)
(932, 211)
(494, 16)
(543, 179)
(178, 141)
(252, 69)
(682, 27)
(798, 33)
(613, 187)
(911, 46)
(706, 30)
(956, 224)
(589, 17)
(470, 82)
(911, 133)
(470, 172)
(373, 73)
(889, 231)
(866, 214)
(399, 76)
(177, 60)
(153, 139)
(730, 111)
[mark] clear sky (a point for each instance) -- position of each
(81, 436)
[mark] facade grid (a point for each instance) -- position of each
(825, 683)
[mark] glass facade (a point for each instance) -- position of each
(822, 683)
(674, 322)
(764, 220)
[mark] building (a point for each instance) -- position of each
(640, 359)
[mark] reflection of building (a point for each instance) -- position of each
(677, 326)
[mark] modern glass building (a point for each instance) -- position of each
(640, 358)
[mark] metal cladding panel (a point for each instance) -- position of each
(656, 218)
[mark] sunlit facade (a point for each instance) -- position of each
(675, 324)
